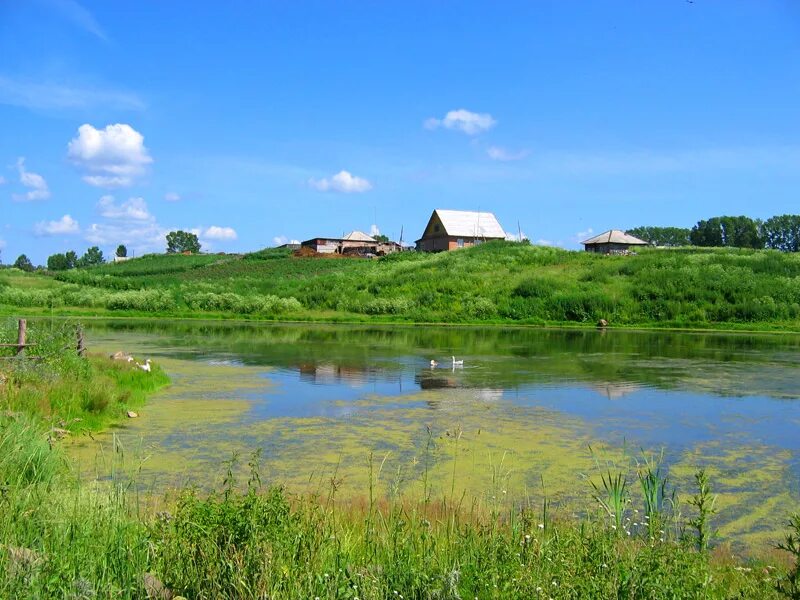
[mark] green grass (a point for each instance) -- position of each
(498, 282)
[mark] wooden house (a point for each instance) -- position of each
(613, 241)
(453, 229)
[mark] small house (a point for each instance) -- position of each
(613, 241)
(355, 243)
(453, 229)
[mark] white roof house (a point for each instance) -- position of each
(467, 223)
(451, 229)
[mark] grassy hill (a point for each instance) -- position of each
(499, 282)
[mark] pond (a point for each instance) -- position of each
(530, 412)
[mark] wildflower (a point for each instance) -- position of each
(541, 525)
(604, 565)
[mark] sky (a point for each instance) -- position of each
(256, 123)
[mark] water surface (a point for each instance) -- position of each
(525, 408)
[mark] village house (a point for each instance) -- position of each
(613, 241)
(452, 229)
(354, 243)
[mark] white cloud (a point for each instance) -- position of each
(111, 157)
(280, 240)
(66, 225)
(503, 154)
(374, 230)
(2, 243)
(134, 209)
(143, 236)
(343, 182)
(584, 235)
(81, 17)
(219, 233)
(463, 120)
(33, 181)
(172, 197)
(516, 237)
(37, 95)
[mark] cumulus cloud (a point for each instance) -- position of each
(374, 230)
(172, 197)
(112, 157)
(219, 233)
(37, 186)
(584, 235)
(144, 236)
(504, 154)
(134, 209)
(343, 182)
(280, 240)
(66, 225)
(463, 120)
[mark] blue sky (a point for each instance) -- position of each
(253, 123)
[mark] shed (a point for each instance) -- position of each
(613, 241)
(452, 229)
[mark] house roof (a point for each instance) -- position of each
(466, 223)
(358, 236)
(614, 236)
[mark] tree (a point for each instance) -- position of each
(72, 259)
(122, 251)
(662, 236)
(782, 233)
(23, 263)
(93, 256)
(57, 262)
(735, 232)
(380, 238)
(182, 241)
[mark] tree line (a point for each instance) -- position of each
(177, 242)
(780, 232)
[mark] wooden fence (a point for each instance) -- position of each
(22, 342)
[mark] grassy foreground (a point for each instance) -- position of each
(498, 282)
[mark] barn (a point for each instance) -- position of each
(453, 229)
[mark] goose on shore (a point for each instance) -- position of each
(145, 366)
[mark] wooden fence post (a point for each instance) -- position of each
(23, 328)
(81, 344)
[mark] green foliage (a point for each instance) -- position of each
(704, 501)
(92, 257)
(57, 262)
(662, 236)
(122, 251)
(23, 263)
(782, 233)
(182, 241)
(790, 585)
(72, 259)
(733, 232)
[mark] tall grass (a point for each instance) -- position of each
(493, 282)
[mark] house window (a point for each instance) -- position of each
(436, 228)
(460, 242)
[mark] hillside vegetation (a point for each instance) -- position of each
(494, 282)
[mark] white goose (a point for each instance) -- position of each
(145, 366)
(434, 364)
(457, 363)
